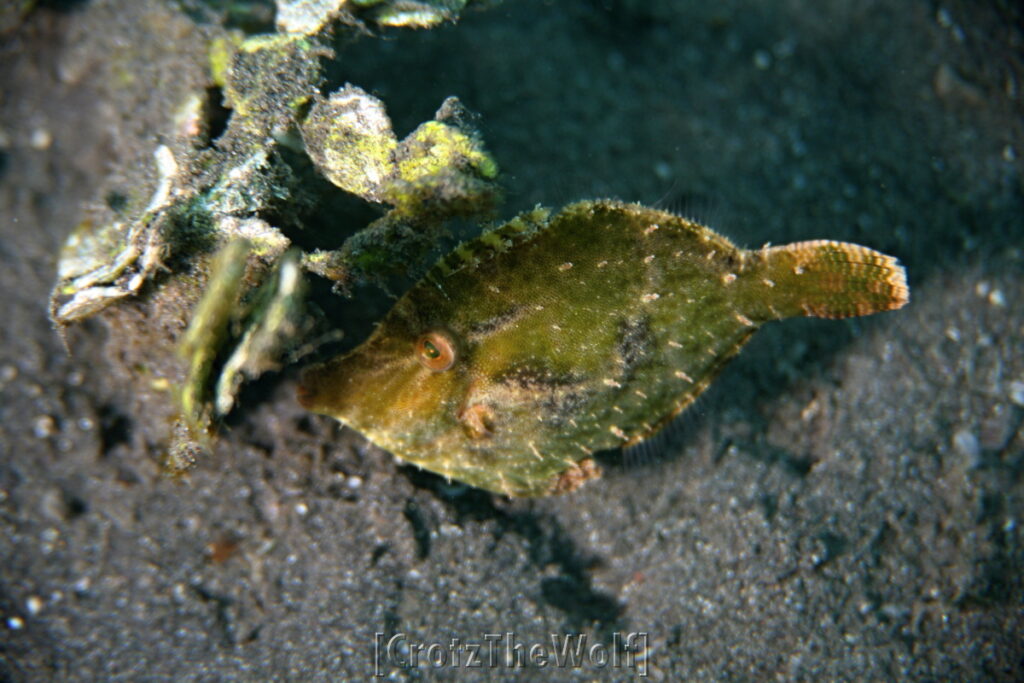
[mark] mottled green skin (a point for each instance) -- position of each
(579, 333)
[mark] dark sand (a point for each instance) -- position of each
(845, 503)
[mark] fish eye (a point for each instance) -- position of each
(435, 351)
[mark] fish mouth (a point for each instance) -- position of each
(335, 387)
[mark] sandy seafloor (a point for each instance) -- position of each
(845, 503)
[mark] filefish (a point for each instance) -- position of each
(526, 350)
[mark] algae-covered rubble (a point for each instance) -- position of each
(200, 230)
(310, 16)
(438, 172)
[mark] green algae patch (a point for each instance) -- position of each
(443, 169)
(220, 52)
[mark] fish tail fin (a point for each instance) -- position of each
(826, 279)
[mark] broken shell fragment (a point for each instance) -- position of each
(349, 138)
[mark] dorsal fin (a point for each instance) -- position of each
(520, 229)
(529, 224)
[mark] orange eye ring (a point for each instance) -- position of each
(435, 351)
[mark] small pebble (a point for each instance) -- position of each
(967, 445)
(1017, 393)
(41, 139)
(44, 426)
(8, 373)
(34, 605)
(451, 530)
(894, 611)
(996, 428)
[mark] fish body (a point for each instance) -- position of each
(551, 337)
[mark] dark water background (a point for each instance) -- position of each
(844, 503)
